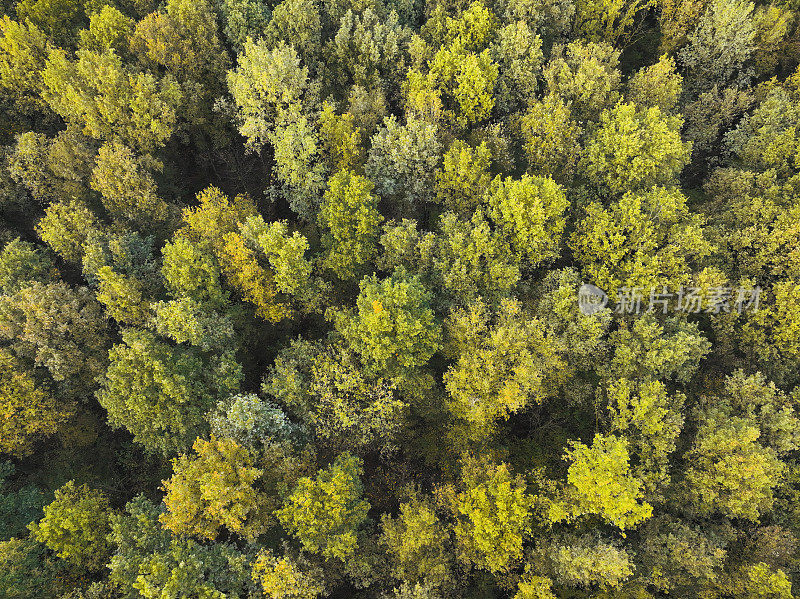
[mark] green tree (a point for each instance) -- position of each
(243, 19)
(643, 241)
(23, 52)
(551, 138)
(350, 216)
(600, 482)
(286, 578)
(160, 393)
(341, 403)
(607, 21)
(518, 54)
(418, 543)
(720, 46)
(128, 189)
(393, 327)
(297, 23)
(586, 562)
(504, 363)
(402, 162)
(109, 29)
(464, 177)
(26, 570)
(109, 101)
(22, 263)
(635, 148)
(60, 328)
(729, 471)
(266, 81)
(657, 85)
(530, 212)
(214, 489)
(585, 76)
(493, 516)
(30, 411)
(75, 526)
(325, 512)
(57, 18)
(66, 226)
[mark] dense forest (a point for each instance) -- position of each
(399, 299)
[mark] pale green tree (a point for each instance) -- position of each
(75, 526)
(325, 512)
(493, 516)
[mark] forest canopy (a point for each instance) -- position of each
(399, 299)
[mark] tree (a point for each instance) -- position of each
(657, 85)
(340, 402)
(341, 139)
(608, 21)
(493, 516)
(325, 512)
(504, 363)
(160, 393)
(550, 136)
(26, 570)
(57, 18)
(109, 29)
(252, 422)
(285, 578)
(183, 40)
(470, 259)
(265, 81)
(529, 211)
(109, 101)
(66, 226)
(18, 506)
(368, 50)
(393, 327)
(29, 409)
(123, 297)
(53, 169)
(212, 490)
(635, 148)
(128, 189)
(534, 587)
(417, 541)
(402, 162)
(643, 241)
(60, 328)
(766, 139)
(23, 51)
(586, 562)
(650, 350)
(720, 46)
(217, 570)
(600, 482)
(651, 419)
(464, 177)
(678, 558)
(243, 19)
(518, 54)
(22, 263)
(585, 76)
(297, 23)
(349, 213)
(729, 471)
(75, 526)
(191, 271)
